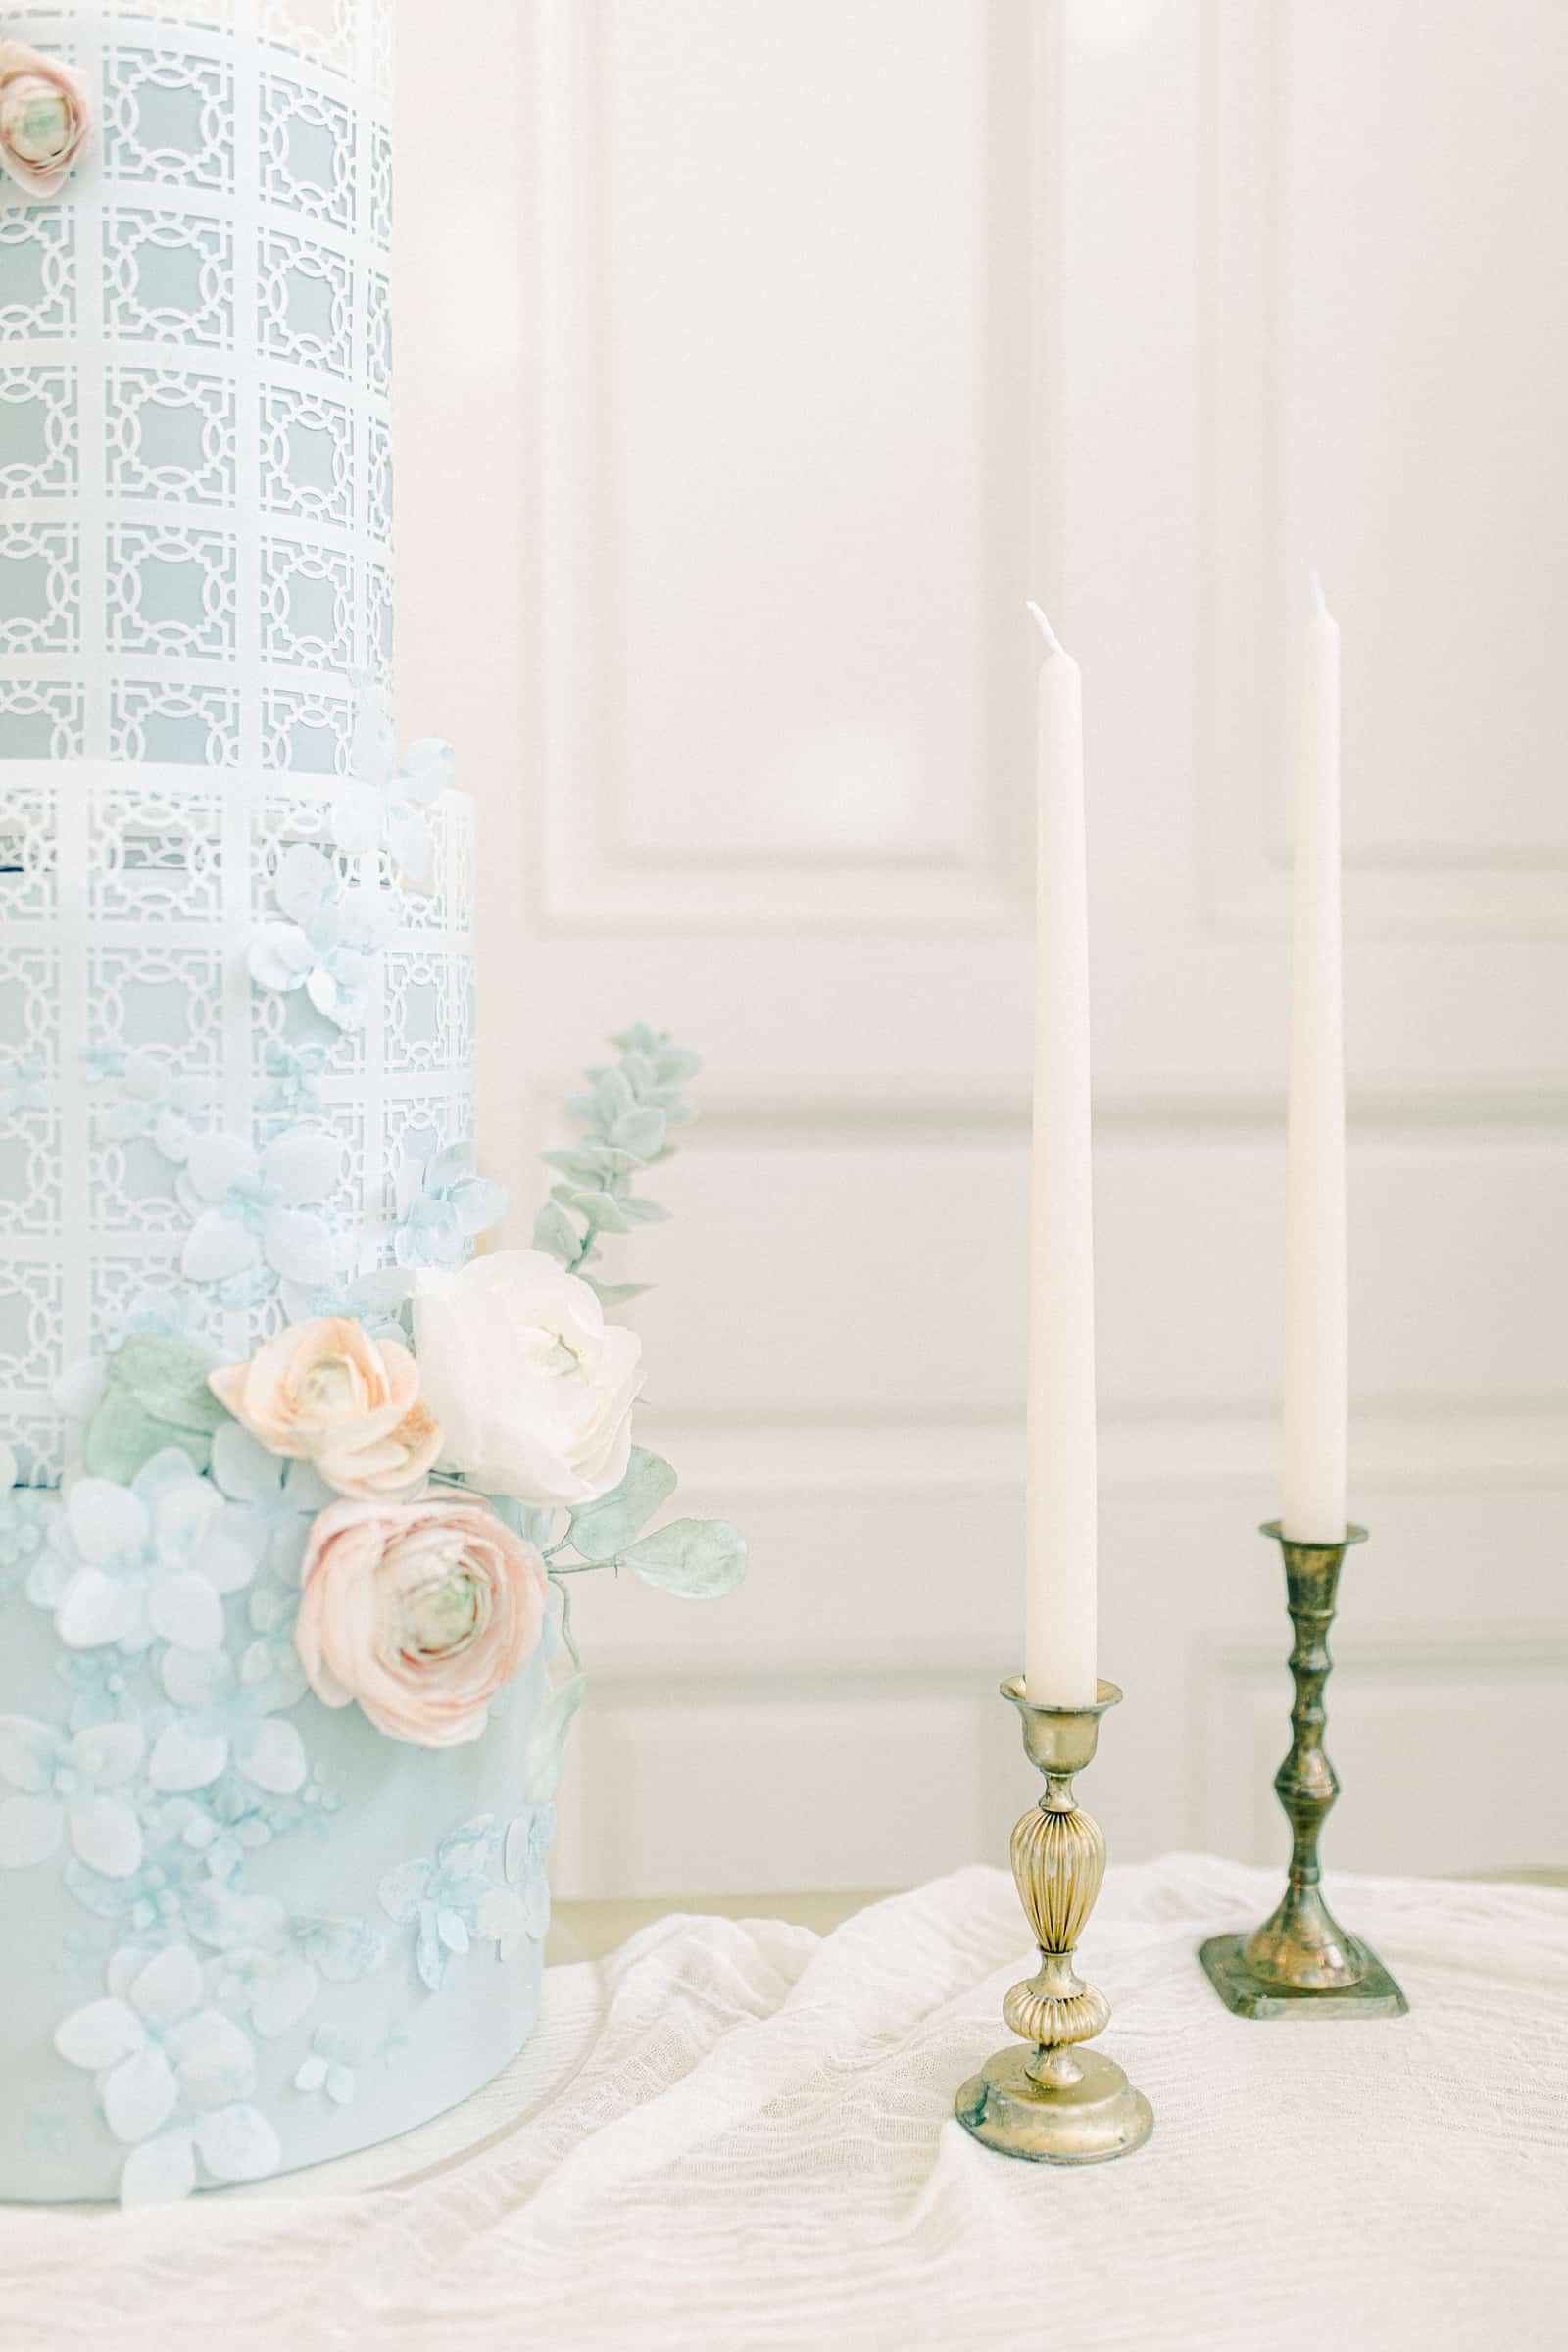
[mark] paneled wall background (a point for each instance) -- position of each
(757, 358)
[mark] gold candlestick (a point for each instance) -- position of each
(1301, 1962)
(1046, 2098)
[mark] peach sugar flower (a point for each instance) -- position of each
(326, 1393)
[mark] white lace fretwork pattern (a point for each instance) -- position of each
(130, 1022)
(195, 599)
(195, 560)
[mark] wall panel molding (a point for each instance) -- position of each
(1251, 563)
(598, 871)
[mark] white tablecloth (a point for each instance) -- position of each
(739, 2134)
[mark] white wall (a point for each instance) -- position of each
(756, 358)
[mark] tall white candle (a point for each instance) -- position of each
(1059, 1593)
(1316, 1415)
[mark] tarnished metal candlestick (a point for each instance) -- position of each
(1046, 2098)
(1301, 1962)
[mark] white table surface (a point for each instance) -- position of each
(739, 2133)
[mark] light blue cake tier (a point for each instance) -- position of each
(240, 1931)
(279, 1916)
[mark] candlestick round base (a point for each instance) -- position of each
(1087, 2121)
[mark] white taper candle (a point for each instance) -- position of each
(1060, 1458)
(1316, 1396)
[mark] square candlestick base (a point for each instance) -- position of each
(1373, 1995)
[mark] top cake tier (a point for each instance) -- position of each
(195, 444)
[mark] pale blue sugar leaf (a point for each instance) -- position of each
(479, 1203)
(167, 1986)
(340, 2085)
(638, 1212)
(408, 838)
(108, 1754)
(185, 1610)
(454, 1164)
(79, 1390)
(185, 1758)
(428, 767)
(237, 2144)
(105, 1835)
(217, 1247)
(305, 884)
(139, 2094)
(640, 1132)
(97, 1610)
(164, 1473)
(452, 1929)
(304, 1163)
(195, 1680)
(183, 1511)
(500, 1916)
(280, 958)
(553, 1235)
(340, 997)
(105, 1520)
(298, 1245)
(100, 2035)
(161, 2172)
(602, 1530)
(215, 2059)
(429, 1955)
(242, 1466)
(358, 816)
(697, 1558)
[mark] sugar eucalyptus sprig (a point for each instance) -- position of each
(626, 1114)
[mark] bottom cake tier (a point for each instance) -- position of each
(243, 1930)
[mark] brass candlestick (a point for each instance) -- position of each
(1301, 1962)
(1046, 2098)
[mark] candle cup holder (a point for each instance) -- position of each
(1046, 2098)
(1301, 1962)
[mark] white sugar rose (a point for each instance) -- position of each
(532, 1388)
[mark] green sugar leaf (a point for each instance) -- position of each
(602, 1530)
(697, 1558)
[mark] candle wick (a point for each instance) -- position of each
(1054, 644)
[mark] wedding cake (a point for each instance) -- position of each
(287, 1471)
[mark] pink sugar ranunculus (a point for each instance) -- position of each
(45, 118)
(420, 1611)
